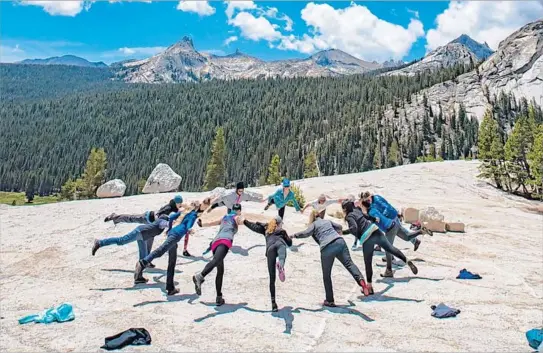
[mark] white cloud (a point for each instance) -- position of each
(139, 51)
(232, 6)
(202, 8)
(9, 54)
(230, 39)
(255, 28)
(413, 12)
(60, 8)
(484, 21)
(355, 30)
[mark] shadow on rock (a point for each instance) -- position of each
(244, 252)
(190, 298)
(193, 259)
(340, 309)
(295, 248)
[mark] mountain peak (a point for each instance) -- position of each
(71, 60)
(481, 51)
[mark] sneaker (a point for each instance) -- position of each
(355, 245)
(281, 270)
(388, 274)
(140, 280)
(173, 291)
(198, 280)
(384, 259)
(151, 265)
(110, 217)
(186, 253)
(219, 300)
(365, 289)
(417, 244)
(95, 246)
(329, 304)
(413, 268)
(274, 306)
(138, 272)
(266, 208)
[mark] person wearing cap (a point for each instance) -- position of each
(233, 197)
(174, 205)
(332, 246)
(281, 197)
(183, 225)
(277, 241)
(220, 246)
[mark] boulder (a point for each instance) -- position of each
(113, 188)
(456, 227)
(430, 214)
(410, 215)
(162, 179)
(436, 226)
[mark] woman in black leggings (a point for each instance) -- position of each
(369, 234)
(220, 246)
(277, 241)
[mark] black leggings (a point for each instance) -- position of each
(378, 238)
(281, 211)
(218, 261)
(278, 250)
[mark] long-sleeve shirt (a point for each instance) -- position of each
(231, 198)
(279, 235)
(384, 207)
(323, 232)
(360, 225)
(316, 205)
(182, 228)
(281, 201)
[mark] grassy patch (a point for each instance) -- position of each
(19, 198)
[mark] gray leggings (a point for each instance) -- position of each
(279, 251)
(403, 234)
(337, 250)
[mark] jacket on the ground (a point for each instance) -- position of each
(281, 201)
(384, 207)
(151, 230)
(323, 232)
(360, 225)
(182, 228)
(231, 198)
(279, 235)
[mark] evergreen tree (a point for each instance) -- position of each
(140, 185)
(393, 155)
(95, 172)
(377, 158)
(274, 171)
(490, 150)
(216, 170)
(310, 165)
(517, 147)
(535, 158)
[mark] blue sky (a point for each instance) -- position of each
(117, 30)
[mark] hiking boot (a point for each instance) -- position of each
(186, 253)
(138, 272)
(151, 265)
(274, 306)
(427, 231)
(95, 246)
(413, 268)
(219, 300)
(198, 279)
(365, 288)
(417, 244)
(266, 208)
(110, 217)
(388, 274)
(140, 280)
(173, 291)
(281, 270)
(329, 304)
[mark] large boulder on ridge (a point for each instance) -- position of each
(162, 179)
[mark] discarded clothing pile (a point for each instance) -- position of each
(133, 336)
(535, 339)
(465, 274)
(62, 313)
(443, 311)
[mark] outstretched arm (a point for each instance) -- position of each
(353, 227)
(305, 233)
(256, 227)
(249, 196)
(212, 223)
